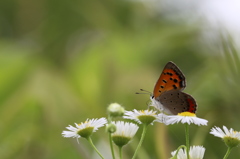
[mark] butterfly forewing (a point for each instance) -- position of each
(171, 78)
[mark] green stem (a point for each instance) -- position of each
(187, 139)
(109, 119)
(91, 143)
(111, 145)
(227, 153)
(110, 137)
(141, 140)
(120, 152)
(180, 147)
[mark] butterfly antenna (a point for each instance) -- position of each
(143, 92)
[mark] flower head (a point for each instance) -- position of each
(84, 129)
(185, 117)
(142, 116)
(196, 152)
(115, 110)
(230, 137)
(124, 132)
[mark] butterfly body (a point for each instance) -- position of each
(167, 94)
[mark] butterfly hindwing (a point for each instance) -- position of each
(175, 101)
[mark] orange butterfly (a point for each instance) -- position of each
(167, 94)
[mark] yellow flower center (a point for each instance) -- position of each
(235, 132)
(144, 112)
(187, 114)
(86, 122)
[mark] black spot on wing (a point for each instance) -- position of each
(175, 80)
(169, 73)
(174, 86)
(164, 81)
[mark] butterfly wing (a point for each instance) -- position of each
(171, 78)
(175, 101)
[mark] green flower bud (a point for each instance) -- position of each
(115, 110)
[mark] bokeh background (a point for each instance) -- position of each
(65, 61)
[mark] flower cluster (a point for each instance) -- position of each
(122, 132)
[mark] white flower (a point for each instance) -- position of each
(195, 152)
(185, 117)
(84, 129)
(230, 137)
(226, 133)
(125, 129)
(162, 118)
(124, 132)
(142, 116)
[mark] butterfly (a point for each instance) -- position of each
(167, 94)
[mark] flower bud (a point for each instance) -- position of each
(115, 110)
(111, 128)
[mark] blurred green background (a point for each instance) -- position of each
(66, 61)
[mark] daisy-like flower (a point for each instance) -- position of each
(141, 116)
(124, 132)
(196, 152)
(185, 117)
(84, 129)
(229, 136)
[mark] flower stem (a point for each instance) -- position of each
(91, 143)
(120, 152)
(110, 137)
(111, 145)
(227, 153)
(180, 147)
(141, 140)
(187, 139)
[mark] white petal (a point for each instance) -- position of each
(172, 119)
(135, 114)
(125, 129)
(73, 131)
